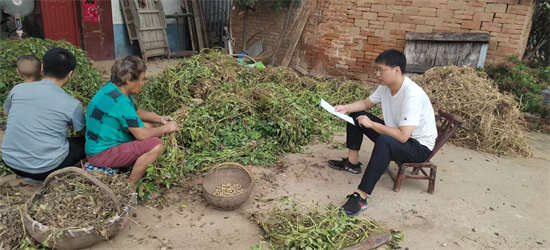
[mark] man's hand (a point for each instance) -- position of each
(167, 119)
(364, 121)
(340, 109)
(171, 126)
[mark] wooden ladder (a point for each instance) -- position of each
(146, 23)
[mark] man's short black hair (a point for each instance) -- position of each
(393, 58)
(58, 62)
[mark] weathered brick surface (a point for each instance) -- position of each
(424, 28)
(350, 34)
(484, 17)
(473, 25)
(496, 8)
(457, 5)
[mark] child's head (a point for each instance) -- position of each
(390, 66)
(29, 67)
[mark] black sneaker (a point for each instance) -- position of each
(355, 204)
(345, 165)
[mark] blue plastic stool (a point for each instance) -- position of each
(89, 166)
(33, 180)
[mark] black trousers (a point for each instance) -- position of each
(386, 149)
(76, 153)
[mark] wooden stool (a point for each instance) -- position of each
(444, 132)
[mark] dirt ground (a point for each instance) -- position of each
(481, 201)
(153, 67)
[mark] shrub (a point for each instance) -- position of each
(527, 84)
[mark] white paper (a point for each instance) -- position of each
(330, 109)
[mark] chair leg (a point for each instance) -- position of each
(399, 179)
(431, 185)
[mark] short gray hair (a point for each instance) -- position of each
(127, 69)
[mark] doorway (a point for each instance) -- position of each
(60, 19)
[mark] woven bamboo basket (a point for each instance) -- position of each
(74, 238)
(222, 174)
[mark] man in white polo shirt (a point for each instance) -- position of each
(407, 133)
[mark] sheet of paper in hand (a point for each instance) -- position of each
(330, 109)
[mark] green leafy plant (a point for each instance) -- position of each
(146, 186)
(83, 85)
(302, 225)
(4, 170)
(514, 76)
(229, 112)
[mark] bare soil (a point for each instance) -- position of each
(481, 201)
(153, 67)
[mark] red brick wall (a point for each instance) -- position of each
(353, 32)
(268, 23)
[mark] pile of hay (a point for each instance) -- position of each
(230, 112)
(84, 83)
(72, 201)
(493, 122)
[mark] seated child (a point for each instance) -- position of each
(29, 68)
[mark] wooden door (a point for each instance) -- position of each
(60, 20)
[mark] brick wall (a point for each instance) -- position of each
(353, 32)
(267, 24)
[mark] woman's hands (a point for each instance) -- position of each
(166, 119)
(170, 124)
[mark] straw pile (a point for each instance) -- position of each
(72, 201)
(492, 120)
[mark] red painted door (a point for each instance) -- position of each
(60, 20)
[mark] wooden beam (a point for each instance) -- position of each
(245, 27)
(294, 41)
(196, 15)
(301, 70)
(283, 33)
(190, 25)
(203, 24)
(449, 37)
(179, 15)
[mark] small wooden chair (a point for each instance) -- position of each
(444, 132)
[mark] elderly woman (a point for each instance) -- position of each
(119, 134)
